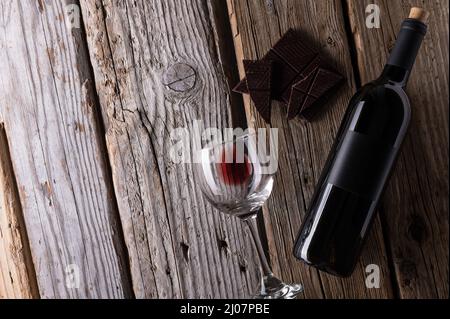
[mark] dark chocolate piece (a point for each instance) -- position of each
(284, 71)
(294, 62)
(309, 69)
(290, 56)
(283, 75)
(295, 103)
(241, 87)
(258, 77)
(292, 50)
(309, 90)
(324, 81)
(298, 96)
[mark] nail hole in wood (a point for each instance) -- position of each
(270, 6)
(223, 245)
(185, 250)
(408, 269)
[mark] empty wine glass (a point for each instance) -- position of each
(236, 178)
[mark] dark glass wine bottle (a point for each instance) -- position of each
(355, 174)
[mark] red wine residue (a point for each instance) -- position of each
(234, 173)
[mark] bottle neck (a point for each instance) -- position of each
(403, 56)
(395, 75)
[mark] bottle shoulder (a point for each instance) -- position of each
(385, 84)
(380, 109)
(383, 90)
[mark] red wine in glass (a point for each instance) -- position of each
(234, 170)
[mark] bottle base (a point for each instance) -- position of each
(273, 288)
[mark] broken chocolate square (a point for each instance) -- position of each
(309, 90)
(258, 78)
(289, 56)
(241, 87)
(309, 68)
(294, 61)
(324, 81)
(292, 50)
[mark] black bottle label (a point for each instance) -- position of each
(361, 165)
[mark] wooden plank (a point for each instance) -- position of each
(48, 107)
(415, 205)
(257, 25)
(179, 246)
(17, 276)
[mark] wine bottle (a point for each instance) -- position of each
(358, 166)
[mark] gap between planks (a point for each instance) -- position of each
(17, 273)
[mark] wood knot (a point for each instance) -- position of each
(180, 77)
(417, 229)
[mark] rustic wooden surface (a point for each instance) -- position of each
(86, 176)
(46, 104)
(304, 147)
(17, 276)
(179, 246)
(415, 205)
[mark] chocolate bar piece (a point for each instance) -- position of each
(295, 63)
(241, 87)
(309, 90)
(258, 79)
(289, 56)
(309, 69)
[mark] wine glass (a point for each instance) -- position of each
(235, 178)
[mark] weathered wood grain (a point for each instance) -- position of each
(49, 113)
(17, 276)
(415, 204)
(179, 246)
(257, 25)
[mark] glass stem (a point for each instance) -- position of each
(251, 222)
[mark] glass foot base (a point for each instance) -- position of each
(273, 288)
